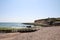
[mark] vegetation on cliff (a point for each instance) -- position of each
(48, 21)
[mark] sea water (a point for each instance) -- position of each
(16, 25)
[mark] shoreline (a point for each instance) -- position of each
(45, 33)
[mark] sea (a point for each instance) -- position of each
(13, 25)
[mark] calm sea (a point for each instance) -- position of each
(12, 25)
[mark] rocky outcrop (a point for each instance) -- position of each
(48, 21)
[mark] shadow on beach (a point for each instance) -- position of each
(27, 31)
(10, 31)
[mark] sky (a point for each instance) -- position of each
(28, 10)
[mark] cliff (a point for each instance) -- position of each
(48, 21)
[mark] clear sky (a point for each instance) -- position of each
(28, 10)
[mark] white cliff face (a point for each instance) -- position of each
(40, 22)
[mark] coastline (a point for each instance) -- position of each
(45, 33)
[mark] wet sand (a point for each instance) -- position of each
(45, 33)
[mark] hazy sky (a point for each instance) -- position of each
(28, 10)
